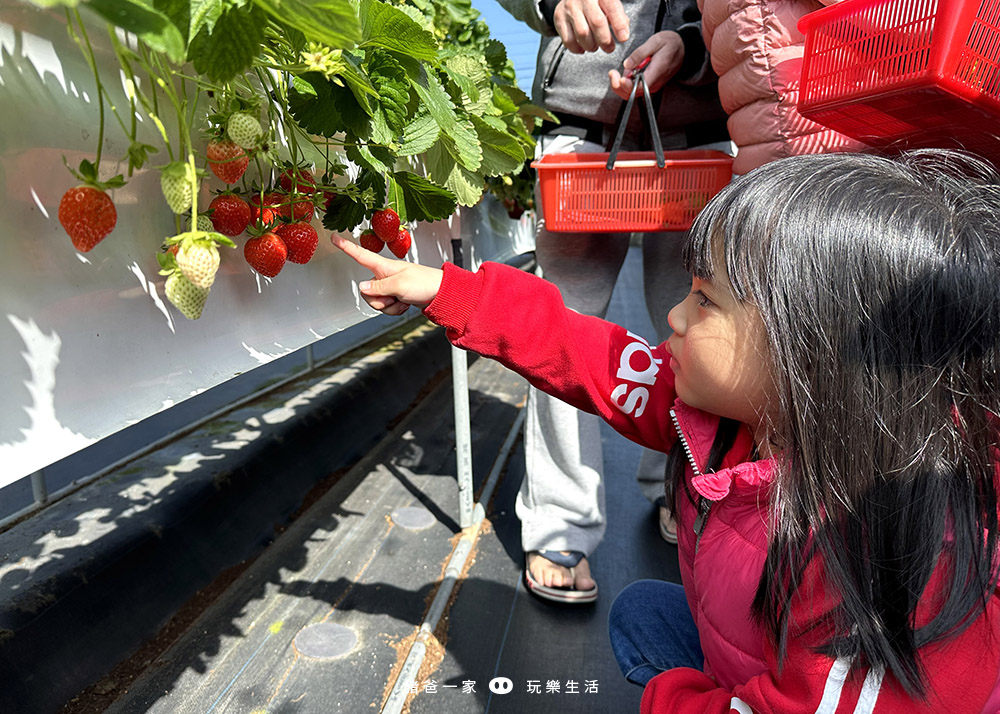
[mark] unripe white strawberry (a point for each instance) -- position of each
(244, 130)
(199, 261)
(187, 298)
(178, 182)
(204, 224)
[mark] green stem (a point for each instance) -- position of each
(89, 55)
(281, 97)
(137, 93)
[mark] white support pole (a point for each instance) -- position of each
(463, 429)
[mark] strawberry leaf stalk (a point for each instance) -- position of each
(86, 212)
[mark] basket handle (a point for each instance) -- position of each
(640, 78)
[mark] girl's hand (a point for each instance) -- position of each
(397, 284)
(666, 50)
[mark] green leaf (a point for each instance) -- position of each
(502, 153)
(374, 158)
(417, 199)
(466, 70)
(344, 213)
(503, 101)
(443, 169)
(204, 15)
(390, 81)
(178, 12)
(333, 23)
(328, 109)
(147, 23)
(459, 134)
(422, 19)
(496, 55)
(389, 28)
(231, 47)
(419, 135)
(463, 143)
(358, 83)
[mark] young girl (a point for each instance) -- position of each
(829, 401)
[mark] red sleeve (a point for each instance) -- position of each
(520, 320)
(961, 673)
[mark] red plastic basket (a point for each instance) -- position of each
(905, 73)
(580, 194)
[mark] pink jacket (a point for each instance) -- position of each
(521, 321)
(756, 49)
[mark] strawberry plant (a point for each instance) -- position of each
(285, 94)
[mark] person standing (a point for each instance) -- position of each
(561, 502)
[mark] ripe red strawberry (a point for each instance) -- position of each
(297, 179)
(301, 240)
(293, 208)
(270, 211)
(266, 254)
(401, 246)
(230, 214)
(385, 223)
(370, 241)
(226, 159)
(88, 215)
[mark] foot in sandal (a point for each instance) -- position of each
(560, 576)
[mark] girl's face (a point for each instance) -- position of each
(719, 353)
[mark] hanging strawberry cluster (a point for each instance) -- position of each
(414, 94)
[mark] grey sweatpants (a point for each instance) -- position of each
(561, 501)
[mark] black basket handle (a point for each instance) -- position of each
(640, 78)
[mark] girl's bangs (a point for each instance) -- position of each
(734, 232)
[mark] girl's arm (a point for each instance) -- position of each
(521, 321)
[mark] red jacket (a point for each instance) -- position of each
(599, 367)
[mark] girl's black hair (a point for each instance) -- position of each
(878, 284)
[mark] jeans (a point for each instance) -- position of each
(652, 630)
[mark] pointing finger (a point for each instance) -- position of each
(363, 257)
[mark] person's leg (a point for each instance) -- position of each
(652, 630)
(561, 501)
